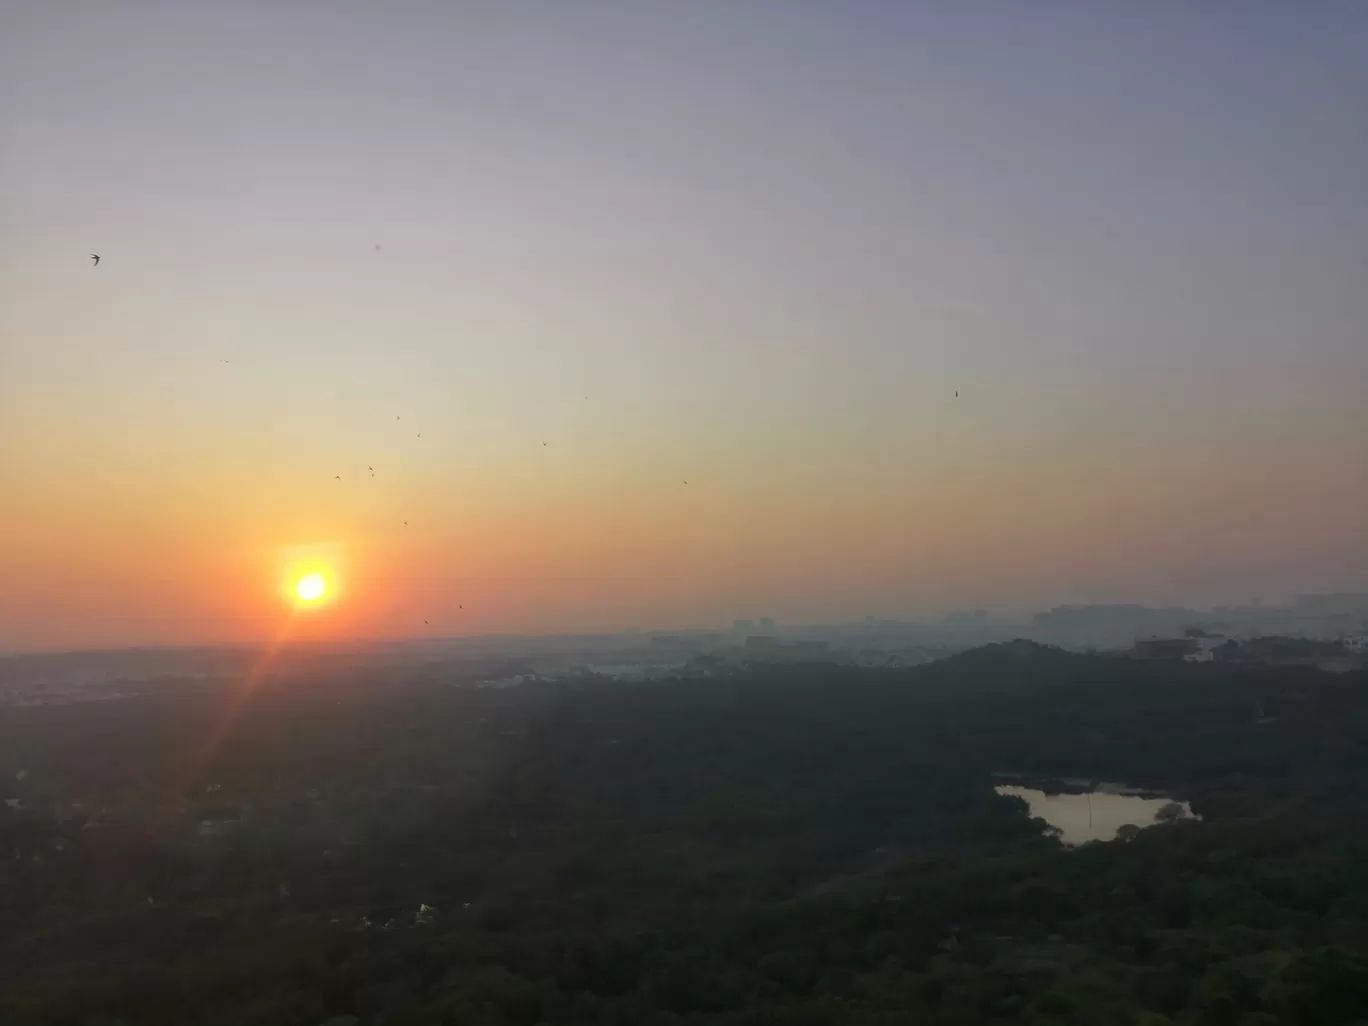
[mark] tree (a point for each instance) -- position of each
(1170, 813)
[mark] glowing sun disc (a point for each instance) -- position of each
(310, 587)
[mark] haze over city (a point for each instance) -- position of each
(530, 318)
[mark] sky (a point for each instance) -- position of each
(670, 309)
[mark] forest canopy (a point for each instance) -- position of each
(803, 844)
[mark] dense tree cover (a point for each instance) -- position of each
(808, 845)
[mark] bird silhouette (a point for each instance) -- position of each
(96, 258)
(460, 606)
(377, 247)
(337, 477)
(424, 621)
(543, 444)
(406, 523)
(956, 393)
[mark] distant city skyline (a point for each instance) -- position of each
(1339, 614)
(933, 307)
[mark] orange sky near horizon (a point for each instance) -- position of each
(170, 559)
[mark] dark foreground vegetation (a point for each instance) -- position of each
(805, 846)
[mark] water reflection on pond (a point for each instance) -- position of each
(1094, 815)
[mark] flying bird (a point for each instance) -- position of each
(377, 247)
(543, 444)
(957, 393)
(96, 258)
(462, 607)
(337, 477)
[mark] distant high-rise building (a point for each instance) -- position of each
(766, 624)
(743, 626)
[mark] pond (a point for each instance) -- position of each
(1096, 813)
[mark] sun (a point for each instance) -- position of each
(312, 577)
(311, 587)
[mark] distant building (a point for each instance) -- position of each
(1206, 643)
(1123, 615)
(762, 642)
(666, 641)
(767, 625)
(743, 626)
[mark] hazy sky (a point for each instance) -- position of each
(767, 240)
